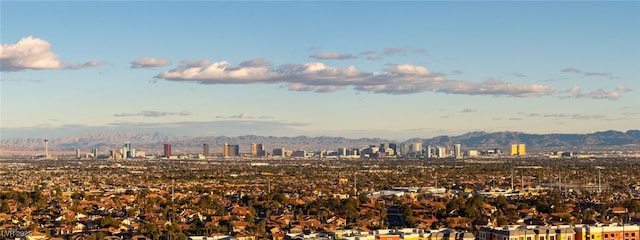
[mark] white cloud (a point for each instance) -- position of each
(88, 64)
(580, 116)
(575, 91)
(149, 62)
(239, 116)
(622, 88)
(391, 51)
(587, 116)
(244, 116)
(28, 53)
(409, 69)
(597, 74)
(334, 56)
(219, 72)
(497, 88)
(198, 63)
(595, 94)
(34, 54)
(556, 115)
(586, 74)
(257, 62)
(519, 75)
(318, 77)
(320, 89)
(373, 58)
(571, 70)
(152, 114)
(601, 94)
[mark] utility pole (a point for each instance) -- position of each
(436, 181)
(512, 187)
(599, 181)
(355, 184)
(559, 181)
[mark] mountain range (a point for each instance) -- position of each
(153, 142)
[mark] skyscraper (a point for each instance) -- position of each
(518, 150)
(457, 152)
(230, 150)
(127, 150)
(440, 152)
(261, 152)
(394, 147)
(254, 149)
(205, 149)
(46, 148)
(416, 148)
(167, 150)
(341, 152)
(278, 152)
(94, 152)
(404, 150)
(257, 150)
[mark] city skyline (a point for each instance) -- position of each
(352, 69)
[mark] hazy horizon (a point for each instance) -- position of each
(393, 70)
(164, 134)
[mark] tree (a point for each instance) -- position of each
(4, 207)
(407, 215)
(106, 222)
(77, 195)
(632, 205)
(259, 228)
(500, 202)
(350, 209)
(175, 232)
(150, 230)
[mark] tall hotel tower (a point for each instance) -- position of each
(167, 150)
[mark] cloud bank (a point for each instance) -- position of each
(153, 114)
(598, 93)
(28, 53)
(243, 116)
(333, 56)
(31, 53)
(318, 77)
(580, 116)
(586, 74)
(88, 64)
(392, 51)
(149, 62)
(373, 58)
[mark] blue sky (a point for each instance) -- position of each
(393, 70)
